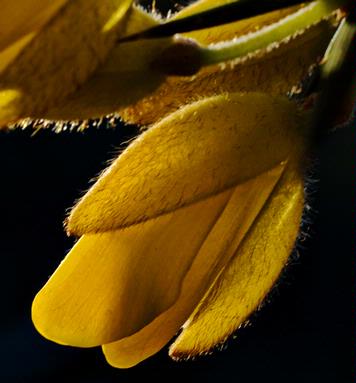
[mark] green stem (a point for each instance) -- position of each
(284, 28)
(337, 50)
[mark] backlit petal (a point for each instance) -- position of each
(112, 284)
(20, 21)
(241, 211)
(198, 151)
(130, 85)
(21, 17)
(231, 30)
(275, 71)
(123, 79)
(61, 57)
(251, 273)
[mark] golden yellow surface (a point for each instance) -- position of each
(198, 151)
(60, 58)
(250, 274)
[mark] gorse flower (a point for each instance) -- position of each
(190, 227)
(46, 74)
(189, 195)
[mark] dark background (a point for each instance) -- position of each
(304, 333)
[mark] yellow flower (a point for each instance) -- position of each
(74, 67)
(195, 219)
(193, 223)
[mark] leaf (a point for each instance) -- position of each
(223, 140)
(61, 57)
(250, 274)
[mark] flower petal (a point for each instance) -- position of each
(223, 140)
(250, 274)
(231, 30)
(130, 85)
(20, 21)
(35, 86)
(112, 284)
(242, 209)
(61, 57)
(21, 17)
(274, 71)
(125, 78)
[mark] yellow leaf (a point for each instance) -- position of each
(61, 57)
(250, 274)
(217, 248)
(200, 150)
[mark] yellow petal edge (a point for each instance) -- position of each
(250, 274)
(218, 247)
(60, 58)
(223, 140)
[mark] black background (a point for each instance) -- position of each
(303, 334)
